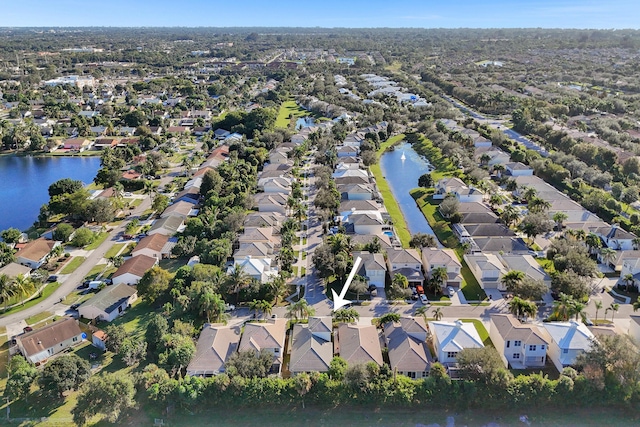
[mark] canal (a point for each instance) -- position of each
(402, 176)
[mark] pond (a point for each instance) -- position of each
(402, 176)
(304, 122)
(24, 182)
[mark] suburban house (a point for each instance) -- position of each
(259, 234)
(616, 238)
(518, 169)
(276, 184)
(528, 265)
(39, 345)
(521, 345)
(266, 336)
(76, 144)
(189, 195)
(346, 151)
(13, 270)
(433, 258)
(406, 262)
(259, 219)
(373, 268)
(152, 246)
(260, 269)
(487, 269)
(311, 346)
(168, 226)
(278, 156)
(132, 270)
(567, 340)
(407, 347)
(367, 223)
(253, 250)
(216, 343)
(180, 209)
(500, 245)
(449, 338)
(271, 202)
(446, 186)
(109, 303)
(34, 254)
(359, 344)
(356, 192)
(631, 266)
(221, 134)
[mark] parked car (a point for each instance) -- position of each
(423, 299)
(451, 291)
(52, 279)
(75, 306)
(419, 289)
(229, 307)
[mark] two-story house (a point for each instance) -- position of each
(406, 262)
(487, 269)
(567, 340)
(215, 345)
(359, 344)
(433, 258)
(311, 346)
(407, 347)
(268, 336)
(520, 345)
(373, 268)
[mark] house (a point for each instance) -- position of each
(476, 213)
(449, 338)
(359, 344)
(258, 219)
(270, 202)
(102, 143)
(39, 345)
(132, 270)
(616, 238)
(630, 266)
(278, 157)
(518, 169)
(268, 336)
(168, 226)
(487, 269)
(433, 258)
(221, 134)
(195, 182)
(311, 346)
(521, 345)
(13, 270)
(406, 262)
(180, 209)
(109, 303)
(189, 195)
(349, 206)
(34, 254)
(131, 175)
(622, 257)
(373, 268)
(215, 345)
(259, 234)
(152, 246)
(259, 269)
(277, 184)
(76, 144)
(233, 137)
(363, 239)
(346, 151)
(367, 223)
(528, 265)
(482, 230)
(500, 245)
(350, 173)
(407, 347)
(446, 186)
(567, 340)
(356, 192)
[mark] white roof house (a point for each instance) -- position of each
(259, 269)
(567, 340)
(449, 338)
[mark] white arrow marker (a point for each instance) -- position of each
(338, 300)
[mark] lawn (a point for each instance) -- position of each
(442, 164)
(482, 331)
(38, 318)
(287, 109)
(101, 237)
(389, 201)
(173, 264)
(114, 250)
(48, 290)
(72, 265)
(470, 286)
(136, 318)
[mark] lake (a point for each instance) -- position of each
(24, 182)
(402, 176)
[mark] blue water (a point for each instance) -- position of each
(24, 182)
(304, 122)
(402, 176)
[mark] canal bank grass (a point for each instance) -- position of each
(72, 265)
(443, 167)
(288, 109)
(390, 203)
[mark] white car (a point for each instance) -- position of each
(451, 291)
(423, 299)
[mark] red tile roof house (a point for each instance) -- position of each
(133, 269)
(131, 175)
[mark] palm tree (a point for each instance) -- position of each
(537, 205)
(510, 215)
(578, 309)
(636, 243)
(628, 279)
(559, 218)
(238, 280)
(6, 289)
(437, 313)
(255, 307)
(495, 200)
(593, 242)
(512, 279)
(614, 309)
(212, 305)
(266, 308)
(346, 315)
(440, 276)
(598, 305)
(528, 193)
(22, 287)
(300, 310)
(278, 286)
(607, 255)
(358, 285)
(421, 311)
(563, 308)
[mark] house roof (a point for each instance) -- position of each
(270, 199)
(570, 335)
(455, 336)
(527, 264)
(364, 219)
(111, 297)
(501, 244)
(137, 265)
(436, 256)
(371, 262)
(403, 256)
(49, 336)
(309, 352)
(154, 242)
(256, 234)
(180, 208)
(263, 219)
(257, 336)
(359, 344)
(363, 239)
(36, 249)
(254, 249)
(488, 230)
(215, 344)
(358, 205)
(14, 269)
(170, 223)
(511, 329)
(406, 353)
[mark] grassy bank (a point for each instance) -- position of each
(389, 201)
(288, 109)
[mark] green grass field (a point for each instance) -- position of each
(287, 109)
(72, 265)
(101, 237)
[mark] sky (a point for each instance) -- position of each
(601, 14)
